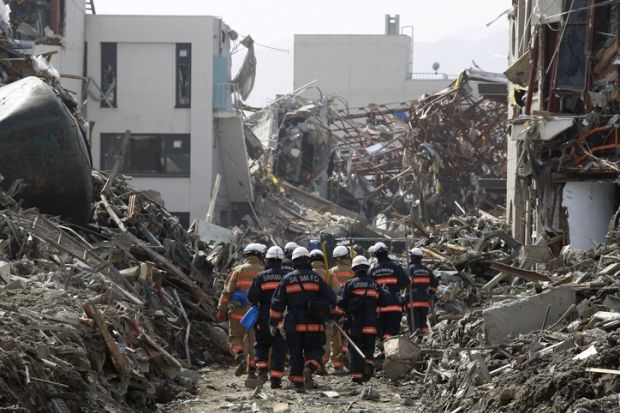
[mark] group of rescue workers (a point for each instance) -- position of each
(302, 306)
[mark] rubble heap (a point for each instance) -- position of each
(103, 317)
(392, 162)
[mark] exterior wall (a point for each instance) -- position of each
(361, 68)
(146, 94)
(69, 58)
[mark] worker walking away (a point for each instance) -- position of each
(332, 349)
(233, 305)
(287, 263)
(358, 301)
(423, 288)
(305, 302)
(392, 279)
(341, 273)
(260, 293)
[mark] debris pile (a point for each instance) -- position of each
(391, 163)
(103, 316)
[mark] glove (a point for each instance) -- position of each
(273, 330)
(221, 316)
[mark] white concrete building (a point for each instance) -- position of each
(167, 80)
(362, 68)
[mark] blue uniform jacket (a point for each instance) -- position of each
(423, 285)
(358, 300)
(392, 278)
(290, 297)
(264, 285)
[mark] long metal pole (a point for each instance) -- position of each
(357, 349)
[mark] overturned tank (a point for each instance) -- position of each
(42, 144)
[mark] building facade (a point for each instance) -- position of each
(362, 68)
(167, 80)
(563, 145)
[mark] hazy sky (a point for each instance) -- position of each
(452, 24)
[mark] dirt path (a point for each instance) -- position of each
(220, 391)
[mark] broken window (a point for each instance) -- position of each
(184, 75)
(148, 154)
(108, 75)
(41, 22)
(572, 58)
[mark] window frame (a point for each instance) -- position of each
(179, 61)
(109, 47)
(105, 143)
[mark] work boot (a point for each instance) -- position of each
(276, 383)
(262, 375)
(252, 373)
(242, 365)
(368, 372)
(358, 380)
(300, 388)
(308, 381)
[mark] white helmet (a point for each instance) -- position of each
(253, 249)
(290, 247)
(416, 252)
(359, 260)
(300, 252)
(379, 247)
(341, 252)
(275, 253)
(317, 254)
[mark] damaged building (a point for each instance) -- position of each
(563, 145)
(172, 89)
(393, 163)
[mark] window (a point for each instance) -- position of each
(148, 154)
(38, 21)
(184, 75)
(108, 75)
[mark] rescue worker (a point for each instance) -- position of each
(233, 305)
(260, 293)
(423, 288)
(341, 273)
(358, 301)
(287, 263)
(392, 279)
(332, 348)
(305, 302)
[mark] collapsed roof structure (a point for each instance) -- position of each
(393, 162)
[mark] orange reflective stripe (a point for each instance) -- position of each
(236, 316)
(337, 364)
(421, 280)
(419, 304)
(369, 361)
(262, 364)
(367, 293)
(310, 328)
(275, 314)
(295, 288)
(244, 283)
(369, 330)
(277, 374)
(390, 308)
(269, 286)
(296, 379)
(382, 281)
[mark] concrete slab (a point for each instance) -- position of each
(527, 314)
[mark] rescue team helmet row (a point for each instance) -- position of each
(290, 247)
(416, 252)
(300, 252)
(256, 249)
(359, 262)
(275, 253)
(341, 252)
(317, 255)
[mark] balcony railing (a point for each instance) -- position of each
(431, 76)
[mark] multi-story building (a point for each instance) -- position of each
(564, 109)
(363, 68)
(167, 80)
